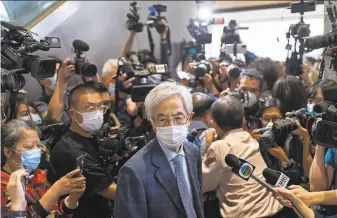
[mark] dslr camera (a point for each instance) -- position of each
(122, 145)
(82, 66)
(133, 23)
(16, 45)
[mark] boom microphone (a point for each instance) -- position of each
(80, 45)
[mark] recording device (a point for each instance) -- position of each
(245, 170)
(80, 164)
(122, 145)
(298, 31)
(248, 99)
(82, 66)
(133, 23)
(156, 18)
(229, 35)
(328, 40)
(46, 131)
(324, 130)
(134, 68)
(234, 70)
(202, 68)
(16, 45)
(275, 178)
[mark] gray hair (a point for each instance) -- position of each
(108, 66)
(11, 133)
(164, 91)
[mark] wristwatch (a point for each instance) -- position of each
(14, 214)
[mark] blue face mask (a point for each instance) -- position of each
(34, 117)
(310, 109)
(53, 82)
(111, 90)
(31, 159)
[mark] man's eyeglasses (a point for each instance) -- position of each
(102, 108)
(270, 119)
(177, 120)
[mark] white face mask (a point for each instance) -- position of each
(172, 136)
(34, 117)
(92, 121)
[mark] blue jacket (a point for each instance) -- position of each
(147, 187)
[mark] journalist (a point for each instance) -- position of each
(291, 93)
(52, 103)
(238, 198)
(86, 113)
(21, 148)
(289, 199)
(251, 80)
(164, 178)
(202, 120)
(268, 68)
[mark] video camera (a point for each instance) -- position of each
(298, 31)
(120, 146)
(328, 40)
(134, 68)
(324, 131)
(16, 44)
(82, 66)
(154, 18)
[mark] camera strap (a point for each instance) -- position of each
(12, 104)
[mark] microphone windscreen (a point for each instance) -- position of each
(80, 45)
(321, 107)
(270, 175)
(232, 161)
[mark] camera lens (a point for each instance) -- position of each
(284, 127)
(86, 69)
(201, 70)
(267, 139)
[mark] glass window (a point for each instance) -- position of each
(24, 12)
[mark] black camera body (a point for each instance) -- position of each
(134, 68)
(121, 145)
(325, 130)
(155, 18)
(198, 29)
(133, 23)
(82, 66)
(16, 46)
(204, 67)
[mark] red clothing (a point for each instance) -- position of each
(36, 188)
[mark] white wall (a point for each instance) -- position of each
(266, 36)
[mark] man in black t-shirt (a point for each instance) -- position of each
(86, 113)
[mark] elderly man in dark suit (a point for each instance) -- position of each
(163, 179)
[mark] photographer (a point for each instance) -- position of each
(86, 112)
(21, 148)
(202, 119)
(148, 57)
(228, 114)
(272, 153)
(291, 93)
(268, 69)
(52, 104)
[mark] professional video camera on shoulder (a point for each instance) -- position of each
(16, 45)
(82, 66)
(324, 130)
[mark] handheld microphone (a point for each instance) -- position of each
(275, 178)
(245, 170)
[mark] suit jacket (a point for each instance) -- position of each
(147, 187)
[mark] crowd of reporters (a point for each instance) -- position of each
(235, 105)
